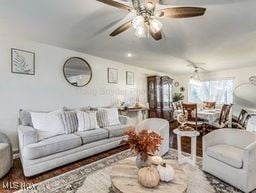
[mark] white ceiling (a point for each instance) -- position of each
(224, 38)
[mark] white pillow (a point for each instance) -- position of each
(113, 117)
(87, 120)
(108, 117)
(47, 124)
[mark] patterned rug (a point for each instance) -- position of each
(95, 177)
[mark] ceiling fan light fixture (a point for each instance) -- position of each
(195, 78)
(156, 25)
(140, 32)
(138, 21)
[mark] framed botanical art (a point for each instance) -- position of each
(129, 78)
(112, 75)
(22, 62)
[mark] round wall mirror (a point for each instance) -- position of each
(77, 71)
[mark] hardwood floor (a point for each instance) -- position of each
(16, 174)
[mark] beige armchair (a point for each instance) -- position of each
(230, 155)
(160, 126)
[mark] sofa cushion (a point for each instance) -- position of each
(92, 135)
(117, 130)
(230, 155)
(51, 146)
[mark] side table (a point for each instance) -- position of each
(193, 135)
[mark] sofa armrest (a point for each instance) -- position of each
(27, 135)
(124, 120)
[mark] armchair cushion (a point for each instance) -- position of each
(230, 155)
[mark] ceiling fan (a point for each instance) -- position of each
(195, 78)
(148, 15)
(196, 65)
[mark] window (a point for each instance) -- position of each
(220, 91)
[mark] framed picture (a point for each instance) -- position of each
(22, 62)
(182, 89)
(176, 84)
(129, 78)
(112, 75)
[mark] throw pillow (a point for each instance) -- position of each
(108, 117)
(25, 117)
(70, 122)
(47, 124)
(87, 120)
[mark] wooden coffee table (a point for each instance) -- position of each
(124, 179)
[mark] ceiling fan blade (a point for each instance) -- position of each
(157, 36)
(116, 4)
(121, 28)
(180, 12)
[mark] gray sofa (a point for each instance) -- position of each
(40, 156)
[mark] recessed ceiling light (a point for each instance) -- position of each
(129, 55)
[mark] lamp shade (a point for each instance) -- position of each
(156, 25)
(140, 32)
(138, 21)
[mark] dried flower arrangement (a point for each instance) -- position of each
(143, 142)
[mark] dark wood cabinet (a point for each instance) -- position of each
(160, 97)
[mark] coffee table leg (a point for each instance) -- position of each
(193, 150)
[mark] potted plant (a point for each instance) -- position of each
(143, 143)
(178, 97)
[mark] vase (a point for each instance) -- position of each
(141, 163)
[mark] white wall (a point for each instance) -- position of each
(48, 89)
(240, 75)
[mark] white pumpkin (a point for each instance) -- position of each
(156, 160)
(148, 177)
(166, 172)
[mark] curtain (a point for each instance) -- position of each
(220, 91)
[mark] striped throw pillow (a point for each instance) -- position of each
(87, 120)
(108, 117)
(102, 117)
(69, 120)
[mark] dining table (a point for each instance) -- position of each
(210, 115)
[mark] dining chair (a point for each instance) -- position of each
(246, 120)
(190, 110)
(242, 120)
(223, 120)
(209, 105)
(178, 105)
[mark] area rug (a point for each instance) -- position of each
(95, 178)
